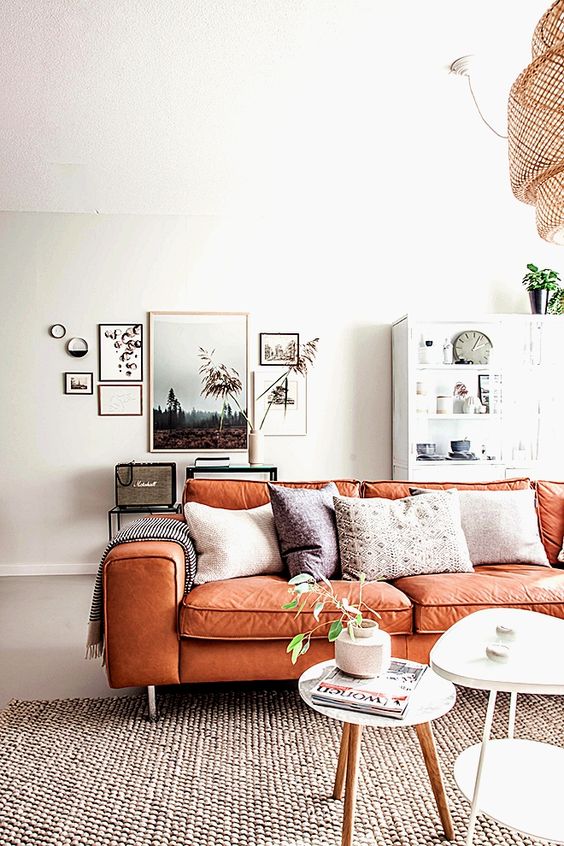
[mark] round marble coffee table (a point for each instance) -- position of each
(432, 698)
(515, 782)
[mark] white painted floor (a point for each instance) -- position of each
(43, 623)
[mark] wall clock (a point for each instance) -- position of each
(472, 346)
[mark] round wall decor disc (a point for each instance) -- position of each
(77, 347)
(57, 330)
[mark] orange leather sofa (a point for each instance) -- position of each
(236, 630)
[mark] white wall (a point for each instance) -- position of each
(312, 163)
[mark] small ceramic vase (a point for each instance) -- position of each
(256, 447)
(367, 655)
(471, 405)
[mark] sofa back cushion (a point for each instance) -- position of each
(550, 503)
(244, 493)
(399, 490)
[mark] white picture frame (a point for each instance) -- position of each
(120, 352)
(287, 416)
(120, 400)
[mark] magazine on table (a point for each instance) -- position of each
(386, 695)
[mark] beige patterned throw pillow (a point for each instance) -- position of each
(387, 539)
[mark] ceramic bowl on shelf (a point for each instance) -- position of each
(460, 446)
(426, 449)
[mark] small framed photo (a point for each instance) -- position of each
(279, 349)
(484, 390)
(120, 352)
(79, 383)
(120, 400)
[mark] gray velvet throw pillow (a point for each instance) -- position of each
(306, 529)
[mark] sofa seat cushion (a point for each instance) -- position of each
(439, 601)
(250, 608)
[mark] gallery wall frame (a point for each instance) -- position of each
(287, 398)
(120, 400)
(182, 418)
(79, 384)
(120, 352)
(279, 349)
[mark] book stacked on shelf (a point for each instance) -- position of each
(387, 695)
(212, 461)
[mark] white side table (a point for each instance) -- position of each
(512, 781)
(432, 698)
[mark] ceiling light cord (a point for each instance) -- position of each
(499, 135)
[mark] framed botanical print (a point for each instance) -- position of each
(198, 381)
(280, 402)
(120, 400)
(120, 352)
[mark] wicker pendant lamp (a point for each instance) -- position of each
(536, 127)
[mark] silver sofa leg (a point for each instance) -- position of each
(152, 704)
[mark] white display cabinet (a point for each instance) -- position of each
(519, 381)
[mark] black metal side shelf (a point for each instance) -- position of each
(271, 469)
(117, 512)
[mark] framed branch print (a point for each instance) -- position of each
(280, 402)
(120, 352)
(120, 400)
(199, 377)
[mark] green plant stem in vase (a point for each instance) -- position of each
(316, 597)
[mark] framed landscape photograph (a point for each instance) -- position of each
(198, 381)
(120, 400)
(79, 383)
(283, 405)
(120, 352)
(279, 349)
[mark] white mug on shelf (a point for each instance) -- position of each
(444, 404)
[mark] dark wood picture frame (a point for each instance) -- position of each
(68, 388)
(278, 362)
(484, 388)
(121, 370)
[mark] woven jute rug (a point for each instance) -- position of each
(250, 767)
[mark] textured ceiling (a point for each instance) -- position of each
(210, 106)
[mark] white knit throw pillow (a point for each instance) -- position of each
(233, 543)
(388, 539)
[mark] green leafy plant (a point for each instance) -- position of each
(556, 302)
(536, 279)
(305, 591)
(278, 391)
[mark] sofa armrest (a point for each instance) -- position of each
(143, 590)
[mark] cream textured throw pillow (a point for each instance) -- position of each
(387, 539)
(233, 543)
(501, 527)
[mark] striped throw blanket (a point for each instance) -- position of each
(144, 529)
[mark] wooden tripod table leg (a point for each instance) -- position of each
(342, 763)
(355, 734)
(427, 742)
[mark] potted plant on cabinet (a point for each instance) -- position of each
(539, 284)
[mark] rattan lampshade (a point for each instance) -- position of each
(536, 127)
